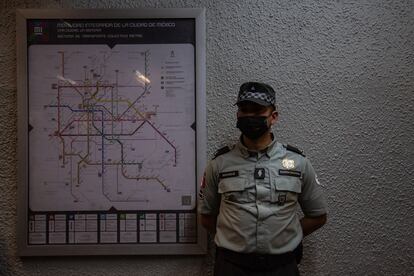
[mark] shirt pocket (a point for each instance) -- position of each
(285, 189)
(234, 189)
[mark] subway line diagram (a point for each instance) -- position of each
(107, 129)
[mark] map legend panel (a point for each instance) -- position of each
(187, 227)
(128, 227)
(168, 227)
(37, 229)
(57, 229)
(108, 228)
(121, 227)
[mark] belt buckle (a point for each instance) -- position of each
(261, 260)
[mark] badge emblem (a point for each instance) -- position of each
(317, 181)
(288, 163)
(259, 173)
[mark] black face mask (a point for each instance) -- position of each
(252, 127)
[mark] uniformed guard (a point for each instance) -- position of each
(250, 194)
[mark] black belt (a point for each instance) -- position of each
(254, 260)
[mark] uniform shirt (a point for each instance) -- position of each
(255, 198)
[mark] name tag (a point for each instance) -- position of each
(229, 174)
(290, 173)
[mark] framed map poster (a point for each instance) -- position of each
(111, 129)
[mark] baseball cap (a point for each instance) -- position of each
(257, 92)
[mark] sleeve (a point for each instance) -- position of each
(209, 198)
(312, 199)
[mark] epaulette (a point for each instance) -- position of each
(294, 149)
(221, 151)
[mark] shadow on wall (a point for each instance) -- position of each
(307, 259)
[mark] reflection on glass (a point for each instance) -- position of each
(72, 82)
(141, 78)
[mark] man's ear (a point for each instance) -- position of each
(275, 117)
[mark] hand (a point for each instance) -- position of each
(311, 224)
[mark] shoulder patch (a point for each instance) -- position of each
(294, 149)
(221, 151)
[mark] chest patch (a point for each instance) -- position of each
(259, 173)
(290, 173)
(288, 163)
(229, 174)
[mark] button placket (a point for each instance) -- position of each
(263, 185)
(272, 180)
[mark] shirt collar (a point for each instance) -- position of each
(246, 153)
